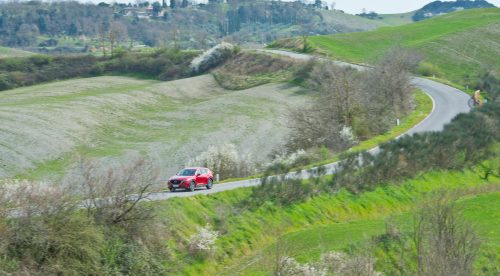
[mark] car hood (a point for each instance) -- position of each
(181, 178)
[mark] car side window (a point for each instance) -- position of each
(204, 171)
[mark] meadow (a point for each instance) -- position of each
(458, 45)
(47, 128)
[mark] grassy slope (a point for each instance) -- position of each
(481, 210)
(458, 43)
(46, 127)
(246, 231)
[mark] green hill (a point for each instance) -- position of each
(458, 44)
(45, 127)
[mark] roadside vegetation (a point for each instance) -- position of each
(351, 105)
(457, 46)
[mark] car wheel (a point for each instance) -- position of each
(172, 189)
(192, 186)
(210, 184)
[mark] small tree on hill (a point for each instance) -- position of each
(173, 4)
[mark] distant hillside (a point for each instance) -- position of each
(389, 19)
(10, 52)
(428, 11)
(439, 7)
(457, 45)
(76, 27)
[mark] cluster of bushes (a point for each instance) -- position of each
(162, 64)
(465, 142)
(249, 69)
(470, 139)
(46, 230)
(352, 105)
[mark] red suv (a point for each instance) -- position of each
(190, 178)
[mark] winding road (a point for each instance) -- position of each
(447, 103)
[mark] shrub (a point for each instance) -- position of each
(332, 263)
(46, 234)
(212, 58)
(290, 267)
(203, 242)
(440, 242)
(428, 69)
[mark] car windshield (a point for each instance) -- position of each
(187, 172)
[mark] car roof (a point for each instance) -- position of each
(194, 168)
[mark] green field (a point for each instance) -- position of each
(11, 52)
(46, 128)
(457, 44)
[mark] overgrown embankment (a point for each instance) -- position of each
(249, 69)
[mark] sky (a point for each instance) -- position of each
(385, 6)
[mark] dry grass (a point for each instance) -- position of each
(44, 129)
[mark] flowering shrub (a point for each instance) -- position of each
(203, 241)
(333, 263)
(213, 57)
(226, 161)
(347, 137)
(290, 267)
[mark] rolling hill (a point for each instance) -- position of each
(45, 128)
(459, 44)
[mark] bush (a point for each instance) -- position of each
(332, 263)
(203, 242)
(47, 234)
(428, 69)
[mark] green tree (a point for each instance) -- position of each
(156, 8)
(73, 30)
(184, 4)
(173, 4)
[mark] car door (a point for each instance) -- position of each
(200, 177)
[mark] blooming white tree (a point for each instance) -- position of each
(204, 240)
(213, 57)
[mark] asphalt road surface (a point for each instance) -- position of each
(447, 103)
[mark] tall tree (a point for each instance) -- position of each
(173, 4)
(184, 4)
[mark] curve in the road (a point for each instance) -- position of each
(448, 102)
